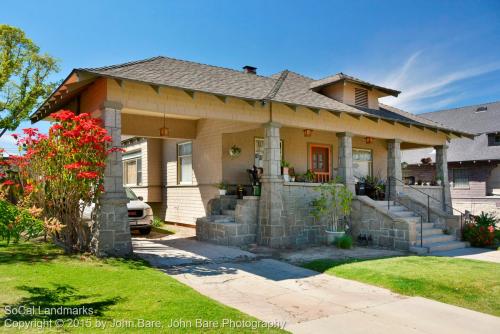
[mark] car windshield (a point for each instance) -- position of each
(130, 194)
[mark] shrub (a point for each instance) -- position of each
(157, 222)
(17, 222)
(344, 242)
(62, 173)
(481, 232)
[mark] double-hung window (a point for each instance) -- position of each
(132, 168)
(185, 163)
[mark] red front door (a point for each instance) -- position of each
(320, 162)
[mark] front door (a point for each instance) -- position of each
(320, 162)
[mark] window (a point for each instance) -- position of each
(460, 178)
(185, 163)
(361, 97)
(362, 162)
(493, 139)
(259, 152)
(132, 168)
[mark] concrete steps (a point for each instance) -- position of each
(433, 238)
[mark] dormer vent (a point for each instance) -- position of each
(361, 97)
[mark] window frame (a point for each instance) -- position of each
(179, 166)
(467, 171)
(370, 162)
(133, 156)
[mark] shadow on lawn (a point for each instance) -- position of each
(28, 252)
(323, 265)
(60, 302)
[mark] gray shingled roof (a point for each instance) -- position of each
(341, 76)
(286, 87)
(469, 120)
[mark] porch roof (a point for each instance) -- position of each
(286, 87)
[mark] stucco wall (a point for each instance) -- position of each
(295, 151)
(420, 193)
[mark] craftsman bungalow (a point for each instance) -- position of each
(192, 115)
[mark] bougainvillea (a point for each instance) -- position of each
(62, 172)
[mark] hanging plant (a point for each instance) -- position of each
(234, 151)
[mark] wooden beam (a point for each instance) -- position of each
(314, 110)
(432, 129)
(189, 92)
(250, 102)
(419, 127)
(336, 113)
(354, 116)
(373, 119)
(221, 98)
(119, 82)
(388, 121)
(155, 88)
(291, 106)
(405, 124)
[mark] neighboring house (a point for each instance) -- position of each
(197, 113)
(474, 166)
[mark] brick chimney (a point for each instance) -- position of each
(250, 69)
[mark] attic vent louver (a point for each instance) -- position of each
(480, 109)
(361, 97)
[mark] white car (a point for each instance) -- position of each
(140, 214)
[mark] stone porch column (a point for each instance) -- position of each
(345, 171)
(111, 230)
(442, 173)
(271, 231)
(394, 170)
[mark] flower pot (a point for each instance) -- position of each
(331, 236)
(222, 192)
(285, 170)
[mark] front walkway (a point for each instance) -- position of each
(309, 302)
(481, 254)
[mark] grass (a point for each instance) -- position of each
(39, 274)
(467, 283)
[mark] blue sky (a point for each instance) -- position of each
(440, 54)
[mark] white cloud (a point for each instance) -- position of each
(427, 84)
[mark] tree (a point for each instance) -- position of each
(24, 75)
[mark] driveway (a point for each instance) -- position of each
(307, 301)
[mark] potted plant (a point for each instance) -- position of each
(309, 176)
(285, 167)
(333, 204)
(222, 186)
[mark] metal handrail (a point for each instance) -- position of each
(443, 204)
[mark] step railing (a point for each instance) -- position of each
(463, 216)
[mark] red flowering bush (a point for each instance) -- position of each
(62, 172)
(481, 232)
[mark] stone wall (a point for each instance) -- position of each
(237, 230)
(419, 193)
(301, 228)
(386, 230)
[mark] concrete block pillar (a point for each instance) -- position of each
(111, 230)
(271, 225)
(345, 171)
(442, 174)
(394, 171)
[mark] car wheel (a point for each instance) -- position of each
(145, 231)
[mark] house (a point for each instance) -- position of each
(195, 115)
(474, 165)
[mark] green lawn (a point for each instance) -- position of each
(37, 274)
(466, 283)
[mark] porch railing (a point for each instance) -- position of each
(395, 197)
(321, 177)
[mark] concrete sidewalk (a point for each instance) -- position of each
(481, 254)
(309, 302)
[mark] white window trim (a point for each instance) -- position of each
(370, 161)
(133, 156)
(179, 182)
